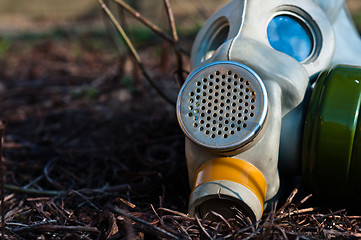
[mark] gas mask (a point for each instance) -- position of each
(244, 104)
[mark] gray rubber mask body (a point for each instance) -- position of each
(236, 40)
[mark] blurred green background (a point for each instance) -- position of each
(30, 21)
(39, 15)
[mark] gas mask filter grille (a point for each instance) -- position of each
(222, 106)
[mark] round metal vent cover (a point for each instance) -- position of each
(222, 106)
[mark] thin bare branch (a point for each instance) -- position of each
(148, 23)
(134, 53)
(2, 167)
(288, 201)
(141, 221)
(174, 212)
(176, 45)
(303, 200)
(56, 228)
(202, 228)
(222, 218)
(32, 191)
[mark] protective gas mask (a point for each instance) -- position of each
(244, 104)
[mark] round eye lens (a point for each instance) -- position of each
(290, 35)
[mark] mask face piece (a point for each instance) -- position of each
(308, 29)
(251, 62)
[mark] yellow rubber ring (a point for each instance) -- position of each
(235, 170)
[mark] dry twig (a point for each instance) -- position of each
(56, 228)
(2, 167)
(148, 23)
(202, 228)
(134, 53)
(176, 45)
(138, 220)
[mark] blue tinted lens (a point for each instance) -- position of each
(289, 35)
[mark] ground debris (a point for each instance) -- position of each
(83, 163)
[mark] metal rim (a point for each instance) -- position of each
(222, 106)
(311, 27)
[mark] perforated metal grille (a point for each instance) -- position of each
(222, 106)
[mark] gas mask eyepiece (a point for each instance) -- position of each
(223, 107)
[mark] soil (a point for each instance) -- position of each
(78, 125)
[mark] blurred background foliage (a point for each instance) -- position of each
(84, 25)
(38, 16)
